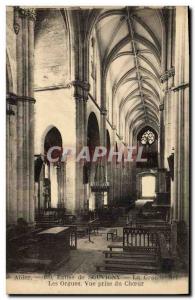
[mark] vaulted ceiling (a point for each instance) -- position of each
(131, 41)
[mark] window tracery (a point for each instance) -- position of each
(148, 137)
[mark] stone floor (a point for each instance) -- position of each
(89, 254)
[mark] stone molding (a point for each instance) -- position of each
(13, 99)
(181, 87)
(54, 87)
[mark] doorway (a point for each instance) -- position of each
(148, 186)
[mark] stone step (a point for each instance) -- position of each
(133, 249)
(35, 261)
(130, 254)
(131, 261)
(129, 269)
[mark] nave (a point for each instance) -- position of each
(97, 140)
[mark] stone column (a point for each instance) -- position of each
(24, 29)
(81, 96)
(169, 111)
(59, 182)
(11, 158)
(80, 46)
(63, 176)
(113, 166)
(181, 165)
(103, 143)
(162, 135)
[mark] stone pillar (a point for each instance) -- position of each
(24, 29)
(103, 143)
(162, 136)
(63, 176)
(114, 170)
(11, 158)
(59, 182)
(161, 171)
(80, 73)
(181, 89)
(81, 96)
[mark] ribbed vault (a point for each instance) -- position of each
(131, 50)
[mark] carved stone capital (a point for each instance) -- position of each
(84, 85)
(81, 89)
(164, 77)
(104, 112)
(27, 13)
(20, 12)
(167, 74)
(161, 107)
(171, 72)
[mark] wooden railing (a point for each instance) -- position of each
(139, 237)
(150, 239)
(154, 227)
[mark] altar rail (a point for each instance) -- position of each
(145, 236)
(139, 237)
(143, 232)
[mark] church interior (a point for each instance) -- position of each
(111, 77)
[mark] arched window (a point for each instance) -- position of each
(148, 137)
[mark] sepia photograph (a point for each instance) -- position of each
(97, 150)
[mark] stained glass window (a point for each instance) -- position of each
(148, 137)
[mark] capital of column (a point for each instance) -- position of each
(27, 12)
(171, 72)
(167, 74)
(84, 85)
(103, 112)
(21, 12)
(164, 77)
(161, 107)
(81, 89)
